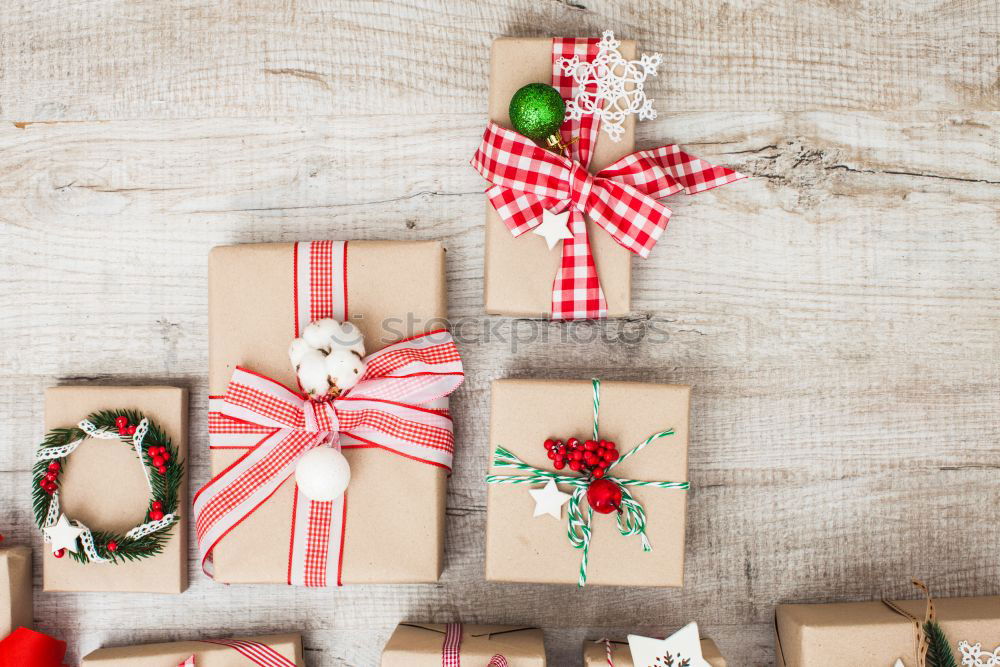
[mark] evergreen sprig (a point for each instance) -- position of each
(939, 649)
(165, 488)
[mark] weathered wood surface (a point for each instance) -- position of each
(838, 315)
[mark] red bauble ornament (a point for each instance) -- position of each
(112, 546)
(604, 496)
(59, 553)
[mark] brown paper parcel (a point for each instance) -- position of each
(520, 271)
(395, 505)
(103, 486)
(15, 589)
(595, 654)
(419, 645)
(206, 654)
(870, 633)
(524, 414)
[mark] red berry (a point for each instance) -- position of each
(162, 470)
(590, 445)
(551, 454)
(155, 515)
(131, 430)
(559, 464)
(598, 473)
(51, 476)
(121, 423)
(55, 467)
(572, 443)
(165, 455)
(59, 553)
(550, 443)
(575, 465)
(157, 505)
(612, 455)
(158, 461)
(112, 546)
(577, 455)
(590, 458)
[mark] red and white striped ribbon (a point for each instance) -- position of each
(451, 649)
(400, 405)
(526, 179)
(257, 653)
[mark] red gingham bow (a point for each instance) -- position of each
(451, 649)
(399, 405)
(527, 179)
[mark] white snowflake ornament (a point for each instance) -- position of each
(611, 87)
(328, 358)
(974, 656)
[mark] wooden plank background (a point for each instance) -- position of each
(838, 314)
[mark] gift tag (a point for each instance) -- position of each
(683, 648)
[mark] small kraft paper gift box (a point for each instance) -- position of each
(264, 517)
(110, 489)
(885, 633)
(588, 482)
(558, 158)
(616, 654)
(272, 651)
(15, 589)
(454, 644)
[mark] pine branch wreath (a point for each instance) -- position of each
(164, 471)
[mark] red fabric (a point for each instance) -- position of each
(27, 648)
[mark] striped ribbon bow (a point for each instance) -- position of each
(400, 405)
(631, 515)
(451, 649)
(526, 180)
(256, 652)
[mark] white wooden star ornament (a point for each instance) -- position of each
(63, 535)
(681, 649)
(898, 663)
(549, 500)
(554, 227)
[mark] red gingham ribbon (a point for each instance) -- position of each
(400, 405)
(257, 653)
(451, 649)
(527, 179)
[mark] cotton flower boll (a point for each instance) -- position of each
(344, 368)
(312, 373)
(349, 337)
(321, 334)
(297, 350)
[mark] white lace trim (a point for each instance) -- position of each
(616, 83)
(150, 527)
(974, 656)
(86, 538)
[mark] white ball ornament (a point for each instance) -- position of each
(323, 474)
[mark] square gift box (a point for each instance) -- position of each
(428, 644)
(103, 486)
(15, 589)
(871, 633)
(274, 651)
(527, 412)
(260, 298)
(519, 270)
(595, 654)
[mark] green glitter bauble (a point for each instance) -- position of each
(537, 111)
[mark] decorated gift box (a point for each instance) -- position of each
(455, 644)
(270, 651)
(15, 588)
(588, 482)
(329, 429)
(558, 157)
(109, 489)
(685, 648)
(904, 633)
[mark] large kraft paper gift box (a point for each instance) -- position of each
(873, 635)
(15, 589)
(425, 644)
(274, 650)
(103, 487)
(394, 505)
(520, 270)
(525, 549)
(595, 654)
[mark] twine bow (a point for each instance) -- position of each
(631, 515)
(920, 641)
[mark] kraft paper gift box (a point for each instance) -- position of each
(595, 654)
(519, 271)
(395, 506)
(15, 589)
(283, 651)
(873, 635)
(103, 487)
(527, 412)
(421, 645)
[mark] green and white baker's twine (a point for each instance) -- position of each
(631, 517)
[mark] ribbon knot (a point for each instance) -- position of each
(581, 184)
(321, 417)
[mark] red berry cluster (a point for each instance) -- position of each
(124, 428)
(159, 457)
(155, 512)
(49, 481)
(591, 457)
